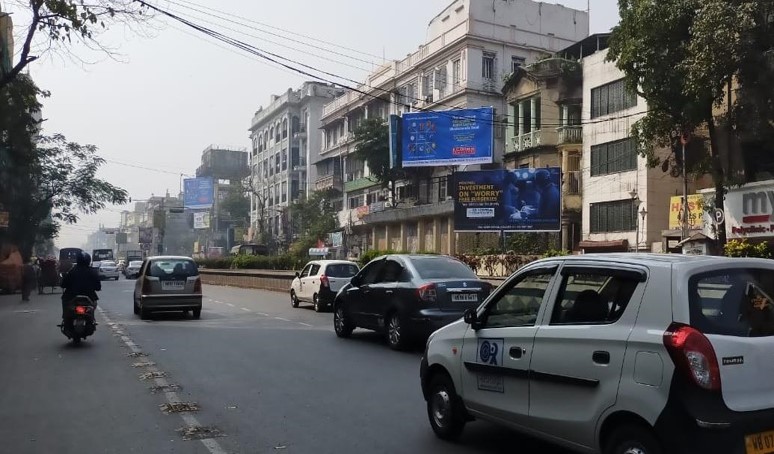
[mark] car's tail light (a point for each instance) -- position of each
(80, 310)
(427, 293)
(324, 282)
(693, 355)
(146, 286)
(198, 285)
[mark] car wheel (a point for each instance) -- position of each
(396, 333)
(444, 408)
(293, 298)
(197, 313)
(341, 322)
(318, 307)
(633, 439)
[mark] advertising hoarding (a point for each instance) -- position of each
(520, 200)
(695, 211)
(749, 211)
(448, 138)
(198, 193)
(201, 220)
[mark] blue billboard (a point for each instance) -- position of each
(448, 138)
(197, 193)
(519, 200)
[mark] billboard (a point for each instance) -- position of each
(447, 138)
(749, 211)
(198, 193)
(520, 200)
(695, 212)
(201, 220)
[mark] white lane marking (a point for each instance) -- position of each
(305, 324)
(172, 397)
(280, 318)
(263, 314)
(230, 305)
(245, 309)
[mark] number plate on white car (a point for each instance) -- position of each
(172, 285)
(464, 298)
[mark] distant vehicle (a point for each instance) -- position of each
(108, 270)
(320, 281)
(133, 256)
(250, 249)
(98, 255)
(132, 270)
(168, 283)
(67, 257)
(407, 297)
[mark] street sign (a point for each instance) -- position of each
(718, 216)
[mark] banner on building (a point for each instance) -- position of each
(336, 239)
(749, 211)
(695, 212)
(198, 193)
(145, 235)
(201, 220)
(449, 137)
(520, 200)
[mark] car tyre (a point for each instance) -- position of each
(318, 307)
(633, 438)
(136, 308)
(197, 313)
(445, 409)
(397, 338)
(293, 298)
(341, 322)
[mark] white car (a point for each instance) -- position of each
(616, 354)
(133, 269)
(108, 270)
(319, 282)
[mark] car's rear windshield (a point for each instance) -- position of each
(173, 267)
(735, 302)
(135, 264)
(341, 270)
(107, 263)
(442, 268)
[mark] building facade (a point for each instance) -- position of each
(285, 142)
(471, 48)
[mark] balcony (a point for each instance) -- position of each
(326, 182)
(526, 141)
(300, 134)
(570, 134)
(354, 184)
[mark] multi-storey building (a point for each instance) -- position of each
(285, 141)
(471, 48)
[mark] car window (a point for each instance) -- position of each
(305, 271)
(341, 270)
(135, 264)
(518, 305)
(441, 267)
(733, 302)
(595, 296)
(108, 263)
(370, 274)
(392, 271)
(314, 270)
(173, 268)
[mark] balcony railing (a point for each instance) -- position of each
(526, 141)
(570, 134)
(329, 182)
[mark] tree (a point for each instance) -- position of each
(253, 186)
(372, 146)
(55, 24)
(237, 204)
(680, 55)
(312, 219)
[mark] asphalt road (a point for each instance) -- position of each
(265, 376)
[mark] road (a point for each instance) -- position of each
(264, 376)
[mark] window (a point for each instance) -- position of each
(392, 271)
(276, 162)
(593, 296)
(265, 167)
(341, 270)
(315, 269)
(733, 302)
(271, 196)
(617, 216)
(442, 268)
(284, 191)
(271, 133)
(305, 272)
(356, 201)
(370, 273)
(427, 85)
(440, 79)
(611, 98)
(443, 188)
(277, 133)
(456, 72)
(285, 159)
(516, 63)
(295, 124)
(518, 305)
(614, 157)
(284, 128)
(173, 268)
(488, 65)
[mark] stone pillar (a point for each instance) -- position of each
(374, 239)
(451, 236)
(533, 117)
(421, 235)
(437, 234)
(387, 239)
(520, 128)
(403, 246)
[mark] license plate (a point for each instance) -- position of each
(464, 298)
(760, 443)
(173, 285)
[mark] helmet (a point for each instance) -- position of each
(83, 259)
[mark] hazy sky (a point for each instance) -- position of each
(173, 93)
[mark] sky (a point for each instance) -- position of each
(169, 92)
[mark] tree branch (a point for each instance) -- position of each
(24, 57)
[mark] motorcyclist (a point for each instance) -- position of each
(80, 280)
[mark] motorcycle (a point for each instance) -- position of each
(79, 322)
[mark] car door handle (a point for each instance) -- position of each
(389, 292)
(601, 357)
(517, 352)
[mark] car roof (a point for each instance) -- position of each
(332, 262)
(157, 258)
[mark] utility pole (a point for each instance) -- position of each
(684, 139)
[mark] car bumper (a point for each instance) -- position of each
(171, 301)
(326, 296)
(109, 275)
(426, 321)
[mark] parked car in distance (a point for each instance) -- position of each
(319, 282)
(407, 297)
(168, 283)
(108, 270)
(132, 270)
(615, 354)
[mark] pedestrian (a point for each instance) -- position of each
(29, 280)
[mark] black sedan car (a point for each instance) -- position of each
(407, 297)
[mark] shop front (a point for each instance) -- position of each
(749, 212)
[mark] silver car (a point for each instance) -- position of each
(168, 283)
(133, 269)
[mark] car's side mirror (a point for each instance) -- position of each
(298, 274)
(471, 318)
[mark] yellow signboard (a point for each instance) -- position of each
(695, 211)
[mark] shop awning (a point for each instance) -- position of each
(609, 246)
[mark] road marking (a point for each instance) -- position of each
(283, 319)
(305, 324)
(245, 309)
(230, 305)
(171, 396)
(263, 314)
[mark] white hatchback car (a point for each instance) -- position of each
(319, 282)
(618, 354)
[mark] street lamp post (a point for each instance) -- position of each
(635, 205)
